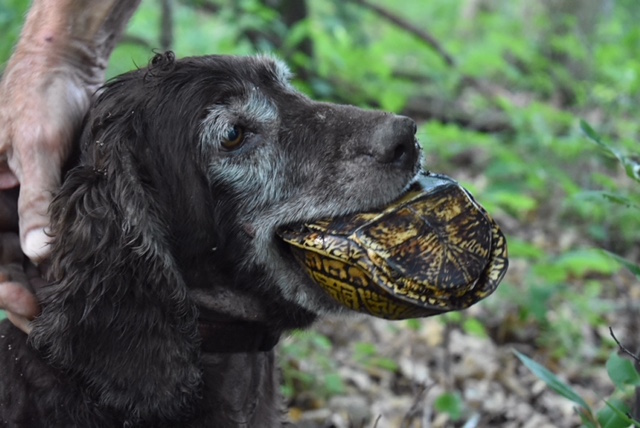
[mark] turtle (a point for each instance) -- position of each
(433, 250)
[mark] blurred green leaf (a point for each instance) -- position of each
(633, 267)
(450, 403)
(321, 341)
(414, 324)
(365, 349)
(525, 249)
(552, 381)
(586, 261)
(474, 327)
(618, 416)
(514, 202)
(631, 164)
(388, 364)
(622, 372)
(333, 384)
(611, 197)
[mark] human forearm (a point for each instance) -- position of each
(79, 33)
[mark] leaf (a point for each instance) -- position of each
(414, 324)
(385, 364)
(333, 384)
(524, 249)
(622, 420)
(321, 341)
(365, 349)
(585, 261)
(474, 327)
(607, 418)
(512, 201)
(595, 137)
(611, 197)
(552, 381)
(622, 372)
(450, 403)
(633, 268)
(631, 164)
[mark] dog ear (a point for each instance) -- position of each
(116, 316)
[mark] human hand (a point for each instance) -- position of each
(42, 103)
(45, 92)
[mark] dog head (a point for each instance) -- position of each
(287, 159)
(186, 169)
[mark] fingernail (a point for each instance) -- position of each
(36, 245)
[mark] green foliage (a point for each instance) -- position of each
(367, 355)
(450, 403)
(307, 365)
(616, 413)
(633, 267)
(551, 380)
(631, 201)
(11, 14)
(621, 372)
(474, 327)
(630, 163)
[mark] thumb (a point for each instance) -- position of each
(40, 179)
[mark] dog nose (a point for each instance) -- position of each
(394, 142)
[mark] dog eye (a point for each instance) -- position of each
(233, 139)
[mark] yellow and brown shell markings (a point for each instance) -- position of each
(433, 250)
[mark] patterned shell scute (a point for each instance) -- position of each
(433, 250)
(439, 240)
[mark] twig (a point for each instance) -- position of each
(166, 25)
(375, 424)
(636, 401)
(417, 407)
(411, 28)
(622, 348)
(204, 6)
(136, 41)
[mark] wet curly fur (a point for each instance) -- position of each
(185, 170)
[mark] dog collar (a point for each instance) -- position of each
(236, 336)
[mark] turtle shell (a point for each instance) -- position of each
(433, 250)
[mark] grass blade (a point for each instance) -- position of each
(552, 381)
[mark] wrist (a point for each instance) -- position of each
(74, 64)
(74, 34)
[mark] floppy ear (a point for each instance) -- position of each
(117, 318)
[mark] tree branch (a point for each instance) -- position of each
(166, 25)
(204, 6)
(623, 349)
(137, 41)
(423, 35)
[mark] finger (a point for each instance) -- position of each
(21, 322)
(16, 292)
(40, 179)
(40, 142)
(17, 300)
(8, 180)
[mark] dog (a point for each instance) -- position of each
(167, 285)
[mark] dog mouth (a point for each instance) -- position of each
(283, 261)
(301, 228)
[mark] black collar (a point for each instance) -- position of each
(235, 336)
